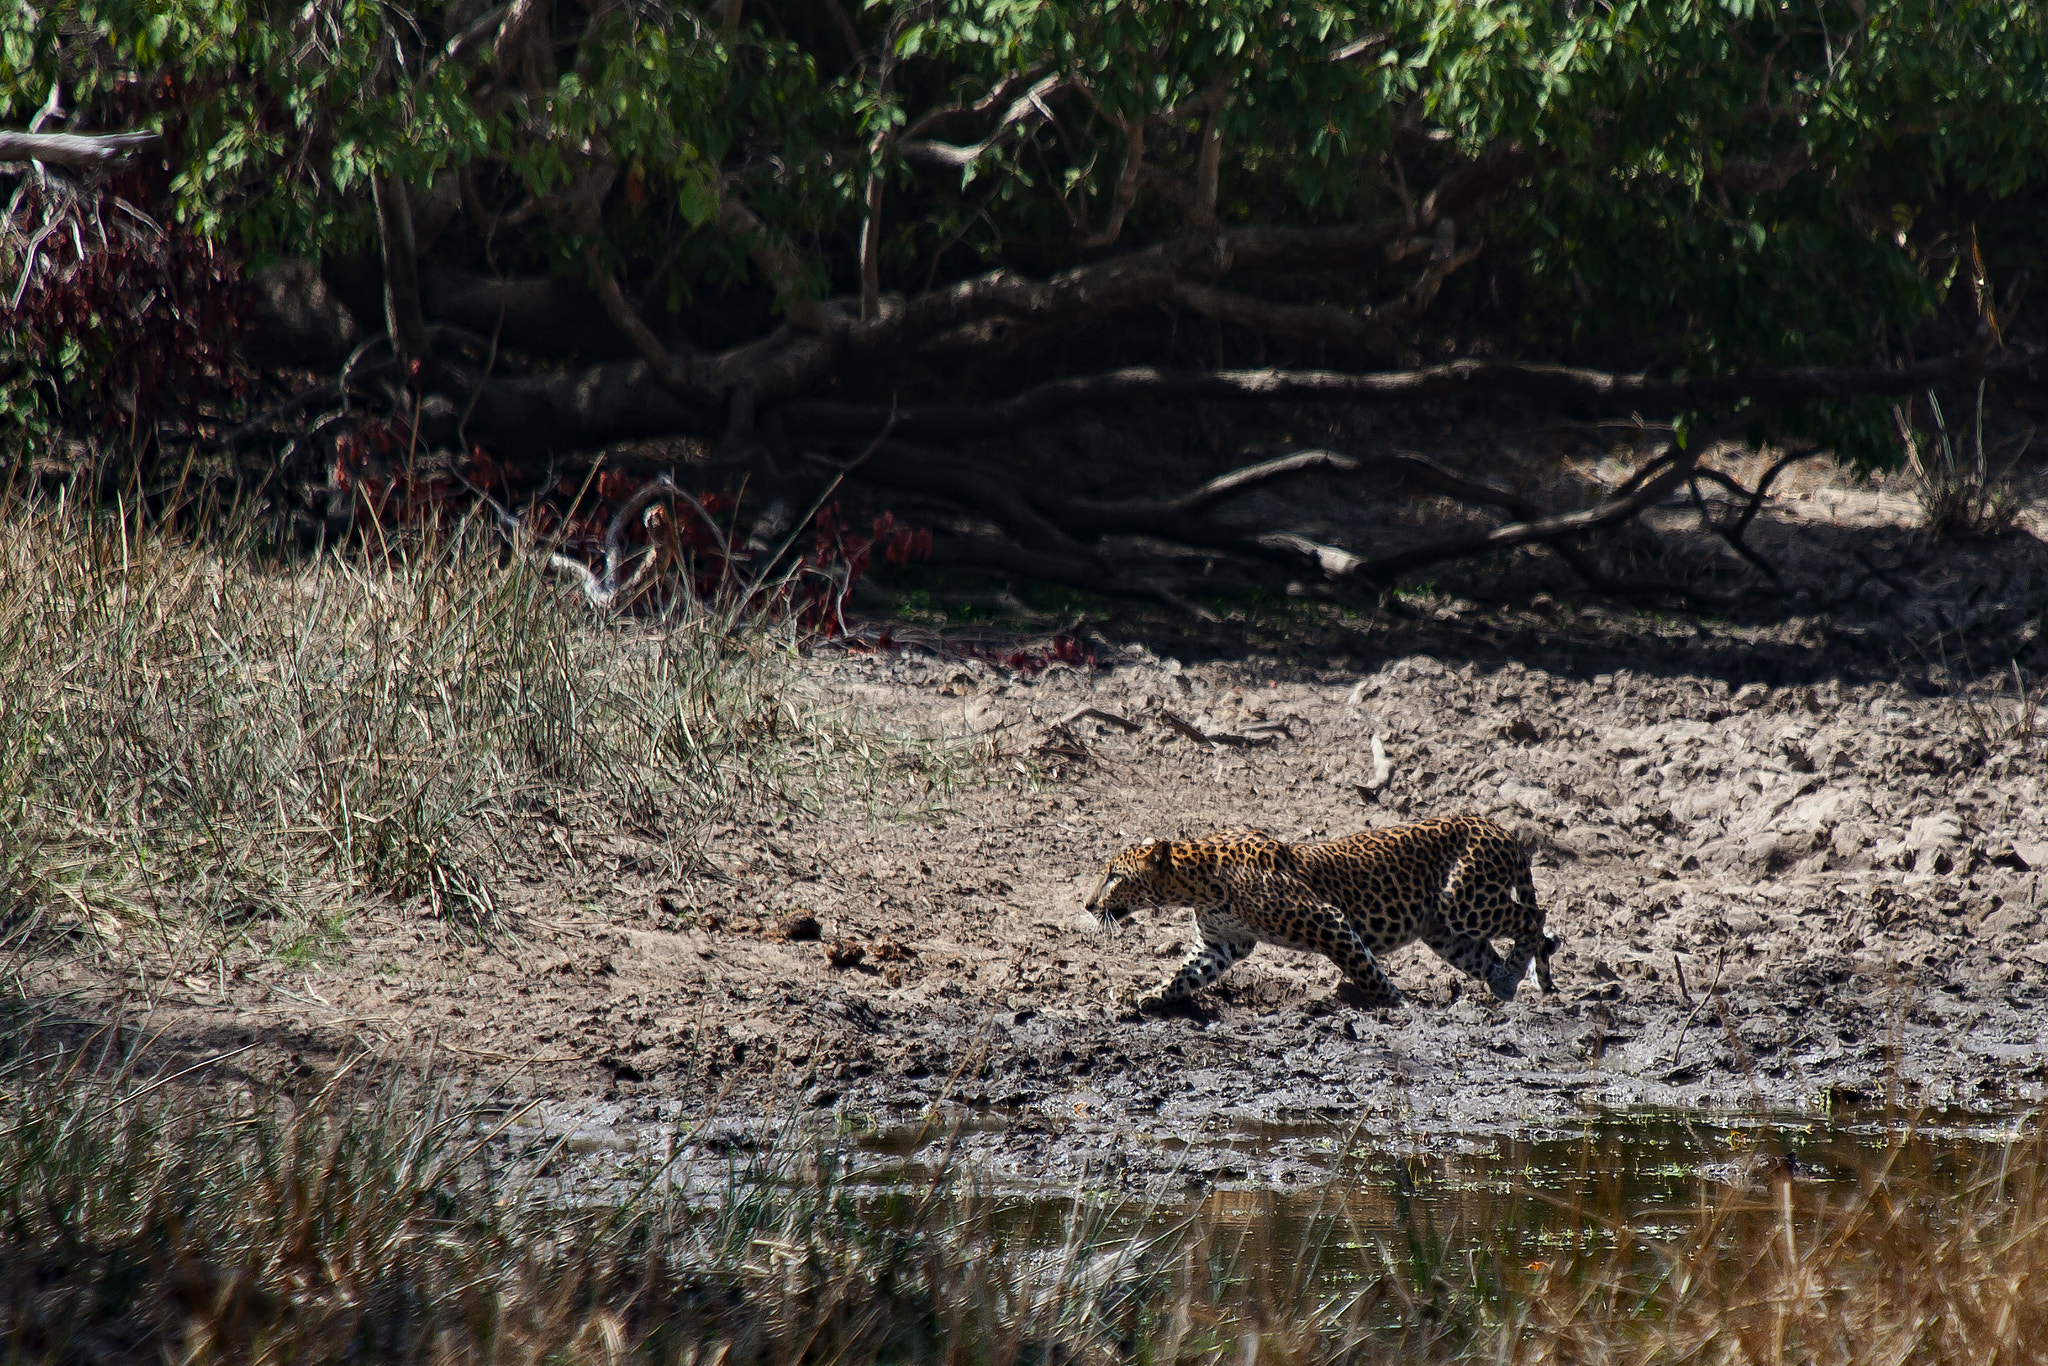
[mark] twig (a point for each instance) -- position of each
(1210, 739)
(1097, 714)
(1126, 191)
(1735, 542)
(1763, 485)
(1705, 997)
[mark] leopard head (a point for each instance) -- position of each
(1130, 880)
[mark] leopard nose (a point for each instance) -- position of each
(1094, 901)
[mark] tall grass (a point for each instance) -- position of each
(191, 732)
(363, 1222)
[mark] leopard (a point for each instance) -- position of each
(1453, 882)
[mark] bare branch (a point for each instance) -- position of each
(1126, 191)
(1611, 512)
(404, 318)
(466, 43)
(73, 149)
(1763, 485)
(1453, 379)
(1444, 258)
(1209, 161)
(871, 236)
(914, 146)
(669, 375)
(780, 264)
(520, 17)
(1361, 47)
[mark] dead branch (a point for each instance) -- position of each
(73, 149)
(535, 413)
(1726, 533)
(1763, 485)
(1462, 379)
(1735, 535)
(1609, 513)
(465, 43)
(781, 265)
(1179, 516)
(520, 17)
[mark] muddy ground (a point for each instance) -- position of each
(1795, 860)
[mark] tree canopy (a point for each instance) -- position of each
(773, 223)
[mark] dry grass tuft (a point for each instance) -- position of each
(1961, 496)
(192, 733)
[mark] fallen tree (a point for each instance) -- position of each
(518, 236)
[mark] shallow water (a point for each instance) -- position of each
(1312, 1205)
(1529, 1197)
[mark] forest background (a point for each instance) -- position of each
(1003, 259)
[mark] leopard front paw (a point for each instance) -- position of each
(1131, 1004)
(1365, 998)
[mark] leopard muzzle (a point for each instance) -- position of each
(1098, 902)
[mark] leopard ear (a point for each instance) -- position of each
(1160, 854)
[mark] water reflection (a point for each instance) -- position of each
(1626, 1182)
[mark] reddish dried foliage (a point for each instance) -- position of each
(148, 314)
(372, 461)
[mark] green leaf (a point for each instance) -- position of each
(697, 200)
